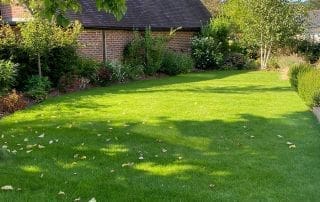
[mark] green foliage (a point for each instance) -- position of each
(309, 87)
(58, 9)
(217, 46)
(7, 36)
(134, 72)
(7, 74)
(176, 63)
(87, 68)
(146, 51)
(60, 61)
(36, 35)
(235, 61)
(295, 72)
(154, 50)
(207, 53)
(118, 72)
(221, 30)
(38, 88)
(39, 36)
(309, 50)
(266, 23)
(134, 52)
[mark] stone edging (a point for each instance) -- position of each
(316, 111)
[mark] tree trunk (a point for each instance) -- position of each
(39, 65)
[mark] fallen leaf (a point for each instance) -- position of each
(212, 185)
(41, 146)
(292, 146)
(61, 193)
(127, 164)
(93, 200)
(7, 188)
(280, 136)
(164, 150)
(26, 140)
(51, 142)
(141, 158)
(4, 147)
(289, 143)
(77, 199)
(99, 135)
(41, 136)
(29, 151)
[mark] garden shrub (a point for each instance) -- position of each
(214, 44)
(7, 75)
(207, 53)
(155, 48)
(134, 72)
(87, 68)
(60, 61)
(295, 71)
(104, 75)
(38, 88)
(309, 87)
(176, 63)
(146, 51)
(118, 72)
(235, 61)
(12, 102)
(308, 49)
(134, 52)
(72, 83)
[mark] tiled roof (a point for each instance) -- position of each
(158, 14)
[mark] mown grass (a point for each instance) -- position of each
(197, 137)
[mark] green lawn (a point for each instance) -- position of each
(197, 137)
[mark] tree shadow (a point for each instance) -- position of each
(182, 159)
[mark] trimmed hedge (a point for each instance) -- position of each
(296, 71)
(309, 87)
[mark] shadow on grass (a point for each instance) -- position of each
(181, 158)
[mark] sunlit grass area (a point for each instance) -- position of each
(199, 137)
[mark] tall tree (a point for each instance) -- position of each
(266, 23)
(38, 36)
(58, 8)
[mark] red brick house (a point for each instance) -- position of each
(104, 38)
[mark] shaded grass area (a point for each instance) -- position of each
(196, 137)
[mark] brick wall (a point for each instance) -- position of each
(91, 44)
(180, 42)
(115, 40)
(14, 12)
